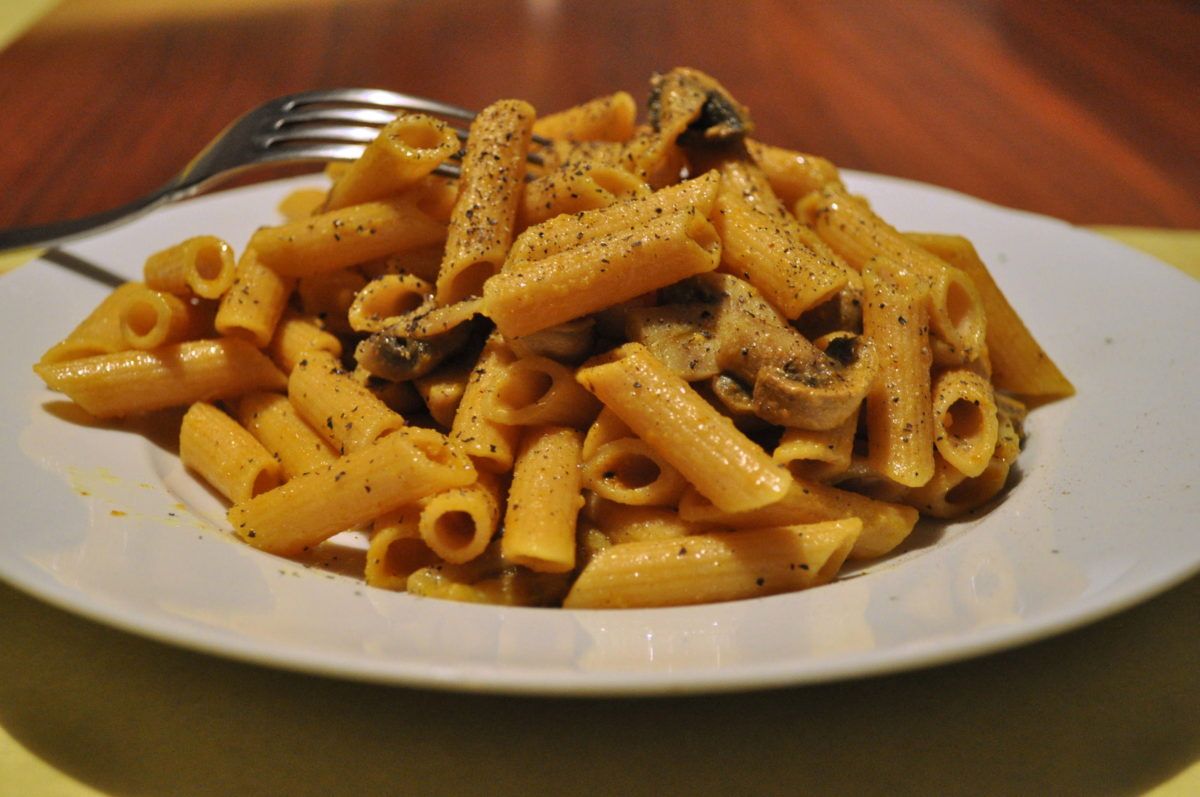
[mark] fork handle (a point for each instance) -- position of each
(45, 236)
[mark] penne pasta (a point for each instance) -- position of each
(345, 237)
(716, 566)
(1018, 363)
(343, 412)
(885, 525)
(226, 455)
(457, 524)
(766, 246)
(351, 491)
(274, 422)
(99, 333)
(898, 414)
(611, 324)
(627, 471)
(151, 318)
(607, 118)
(408, 148)
(537, 391)
(965, 424)
(535, 295)
(396, 550)
(203, 266)
(255, 301)
(684, 429)
(135, 382)
(297, 335)
(485, 213)
(544, 500)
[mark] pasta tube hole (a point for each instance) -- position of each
(962, 307)
(632, 471)
(529, 387)
(963, 419)
(455, 529)
(436, 450)
(265, 481)
(418, 135)
(469, 281)
(388, 304)
(405, 555)
(975, 491)
(210, 262)
(140, 318)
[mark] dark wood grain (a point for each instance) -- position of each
(1085, 111)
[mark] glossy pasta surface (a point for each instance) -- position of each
(660, 363)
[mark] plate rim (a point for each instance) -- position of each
(175, 631)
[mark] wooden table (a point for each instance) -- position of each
(1084, 111)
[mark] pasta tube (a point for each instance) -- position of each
(899, 418)
(151, 318)
(203, 265)
(565, 232)
(133, 382)
(255, 301)
(537, 391)
(684, 429)
(273, 421)
(226, 455)
(492, 445)
(481, 225)
(344, 412)
(339, 238)
(627, 471)
(765, 245)
(457, 524)
(716, 566)
(847, 224)
(295, 336)
(1018, 363)
(396, 550)
(534, 295)
(99, 333)
(607, 118)
(544, 500)
(409, 147)
(885, 525)
(965, 425)
(353, 490)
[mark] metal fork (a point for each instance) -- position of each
(329, 125)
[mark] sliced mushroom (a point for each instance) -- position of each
(722, 325)
(682, 336)
(692, 108)
(394, 356)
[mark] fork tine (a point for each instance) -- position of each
(371, 117)
(313, 126)
(323, 152)
(379, 98)
(337, 134)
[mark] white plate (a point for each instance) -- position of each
(103, 521)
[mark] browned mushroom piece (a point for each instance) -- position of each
(569, 342)
(690, 107)
(722, 325)
(389, 354)
(682, 336)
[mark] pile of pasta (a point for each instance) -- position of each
(603, 363)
